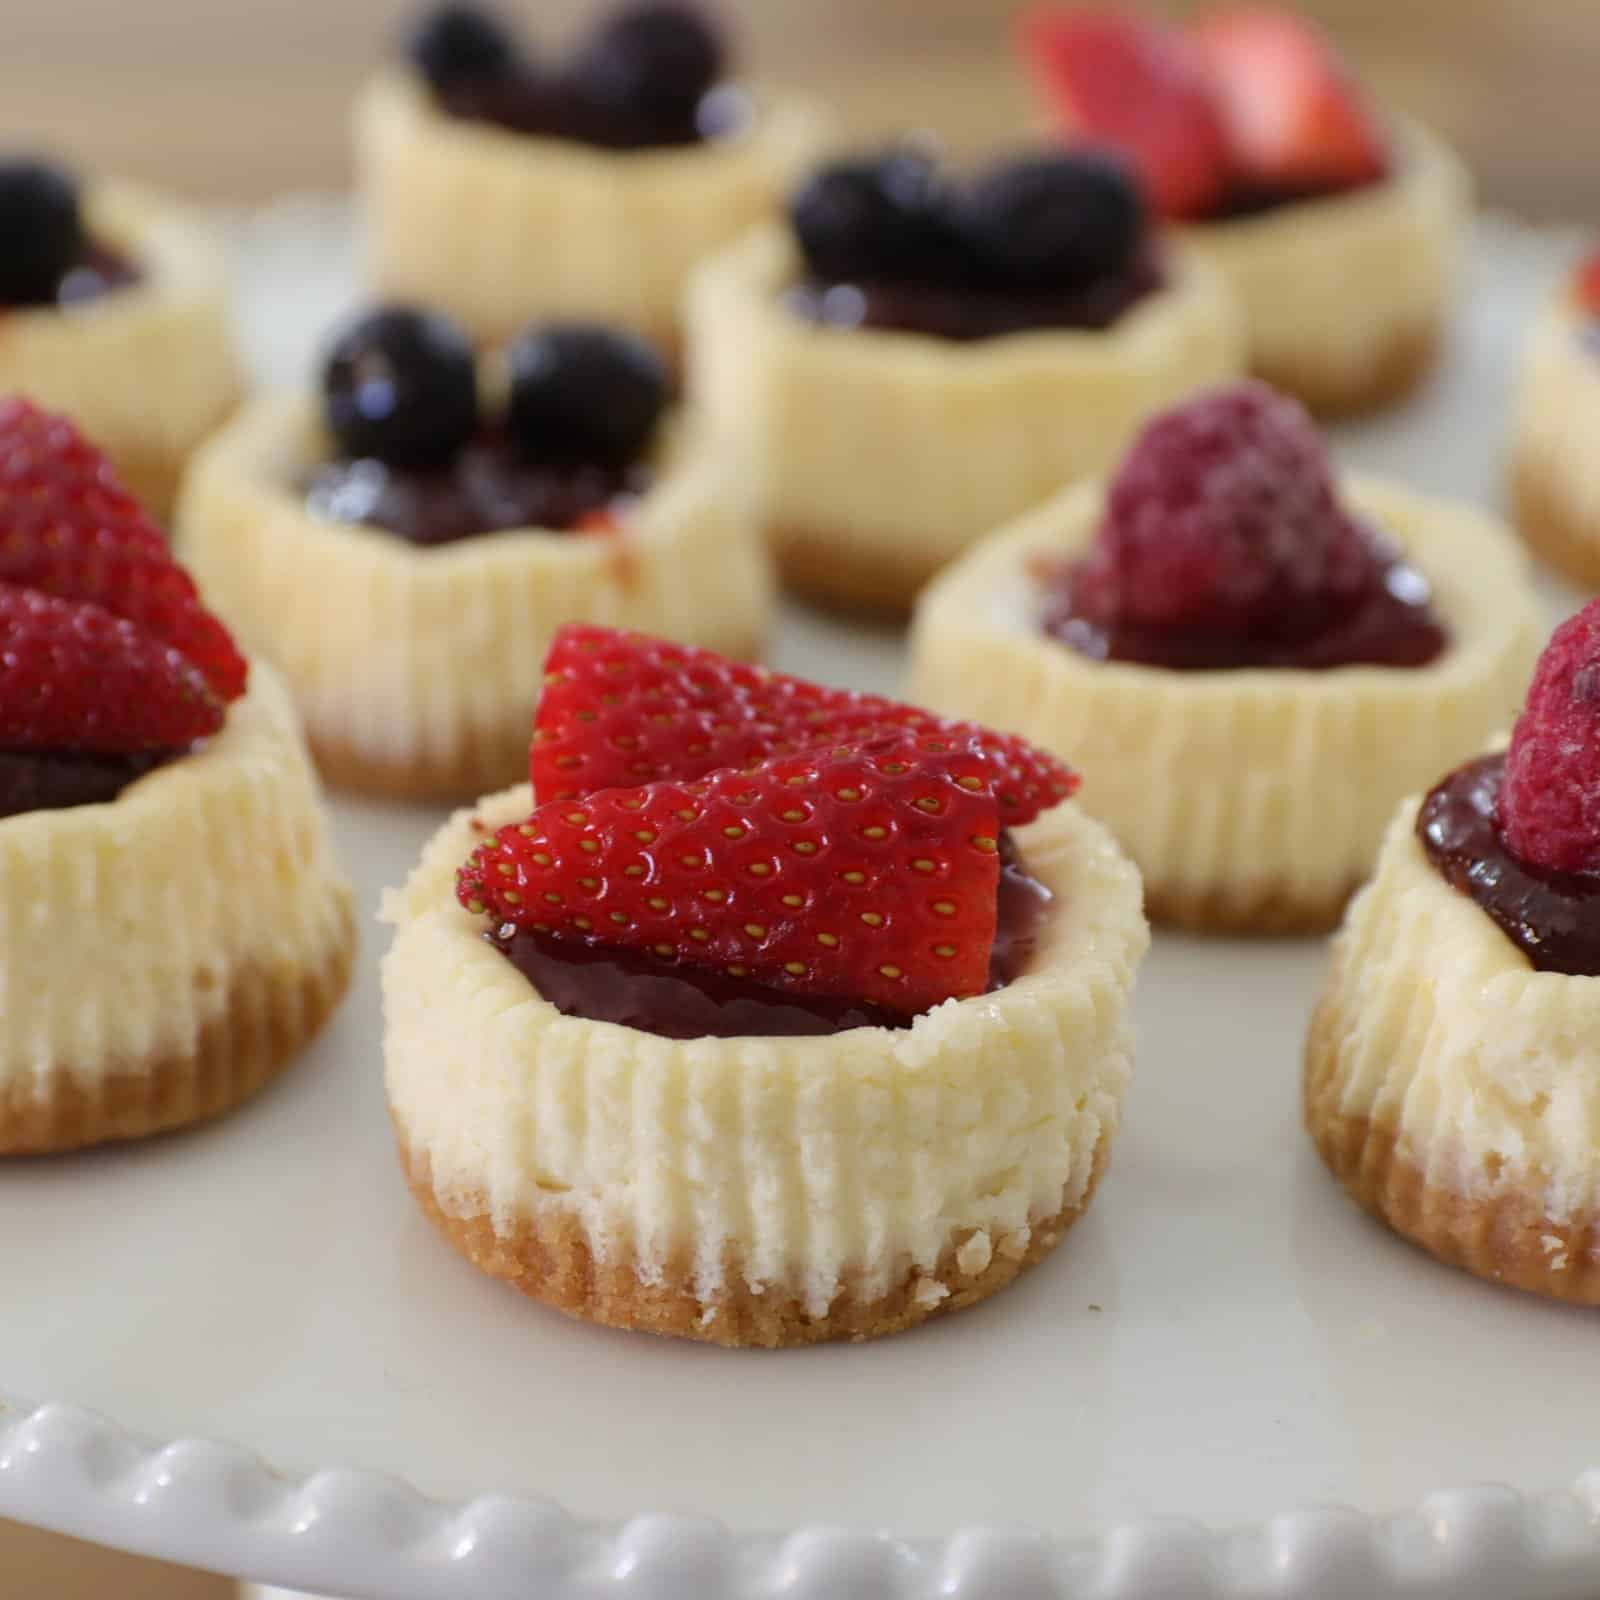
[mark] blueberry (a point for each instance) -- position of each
(41, 231)
(584, 395)
(400, 385)
(456, 43)
(643, 74)
(884, 218)
(1052, 222)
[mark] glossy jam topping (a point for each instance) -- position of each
(99, 271)
(1552, 917)
(1388, 623)
(32, 780)
(965, 313)
(487, 488)
(638, 990)
(1241, 200)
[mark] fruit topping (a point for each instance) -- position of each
(1294, 116)
(41, 231)
(400, 386)
(75, 677)
(1549, 809)
(622, 709)
(584, 395)
(1053, 221)
(644, 73)
(868, 872)
(1138, 87)
(1587, 284)
(1249, 107)
(457, 44)
(69, 529)
(1224, 512)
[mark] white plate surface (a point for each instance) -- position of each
(1222, 1338)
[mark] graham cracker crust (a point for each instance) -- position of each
(1507, 1238)
(1251, 909)
(833, 570)
(1398, 369)
(483, 762)
(549, 1260)
(268, 1017)
(1548, 524)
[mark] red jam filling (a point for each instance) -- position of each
(1389, 622)
(1552, 917)
(676, 1001)
(32, 780)
(487, 488)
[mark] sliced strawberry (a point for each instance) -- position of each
(1587, 284)
(623, 709)
(870, 874)
(1136, 86)
(69, 528)
(75, 677)
(1294, 116)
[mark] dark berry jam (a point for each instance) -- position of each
(1243, 200)
(32, 780)
(675, 1001)
(487, 488)
(1552, 917)
(1388, 623)
(965, 313)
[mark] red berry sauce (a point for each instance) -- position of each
(33, 780)
(675, 1001)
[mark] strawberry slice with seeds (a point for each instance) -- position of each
(75, 677)
(1294, 116)
(69, 528)
(869, 874)
(1137, 86)
(623, 709)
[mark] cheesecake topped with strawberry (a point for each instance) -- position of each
(844, 860)
(418, 458)
(768, 1013)
(1336, 223)
(109, 663)
(145, 765)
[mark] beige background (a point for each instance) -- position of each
(243, 97)
(238, 99)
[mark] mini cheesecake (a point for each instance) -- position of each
(1248, 752)
(114, 310)
(502, 192)
(1554, 482)
(407, 572)
(1451, 1072)
(1337, 230)
(685, 1109)
(174, 926)
(904, 367)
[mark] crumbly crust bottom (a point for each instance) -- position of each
(1551, 527)
(1399, 367)
(1267, 909)
(840, 570)
(269, 1016)
(549, 1259)
(1507, 1238)
(495, 760)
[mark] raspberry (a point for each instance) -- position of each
(1550, 795)
(1224, 515)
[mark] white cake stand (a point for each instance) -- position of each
(1223, 1338)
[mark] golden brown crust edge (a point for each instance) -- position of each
(1250, 909)
(832, 569)
(1506, 1238)
(1549, 526)
(551, 1262)
(269, 1016)
(1405, 361)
